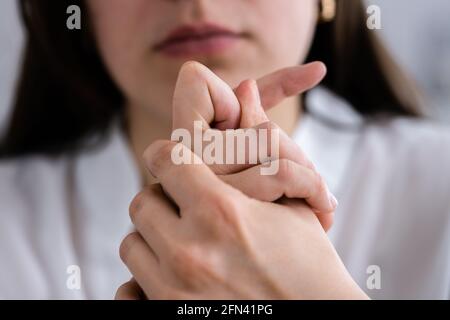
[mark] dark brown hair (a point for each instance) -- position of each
(65, 93)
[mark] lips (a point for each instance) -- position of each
(199, 40)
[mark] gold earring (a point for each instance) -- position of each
(327, 10)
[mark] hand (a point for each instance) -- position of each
(296, 177)
(217, 243)
(201, 96)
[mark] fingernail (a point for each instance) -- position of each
(333, 201)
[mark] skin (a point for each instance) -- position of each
(222, 242)
(148, 78)
(213, 242)
(201, 96)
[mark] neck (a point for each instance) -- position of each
(286, 115)
(145, 127)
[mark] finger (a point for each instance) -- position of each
(326, 220)
(252, 112)
(130, 291)
(142, 262)
(300, 205)
(255, 146)
(291, 180)
(155, 218)
(185, 182)
(200, 95)
(277, 86)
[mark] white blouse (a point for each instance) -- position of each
(62, 220)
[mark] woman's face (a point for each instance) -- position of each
(144, 42)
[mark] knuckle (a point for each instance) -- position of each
(158, 154)
(272, 126)
(191, 66)
(272, 131)
(269, 126)
(127, 246)
(228, 220)
(194, 265)
(226, 207)
(286, 170)
(138, 203)
(186, 261)
(192, 70)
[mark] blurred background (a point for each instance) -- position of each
(416, 31)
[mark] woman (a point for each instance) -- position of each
(90, 102)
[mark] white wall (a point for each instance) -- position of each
(418, 32)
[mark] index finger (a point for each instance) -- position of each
(288, 82)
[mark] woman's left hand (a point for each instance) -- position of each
(218, 243)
